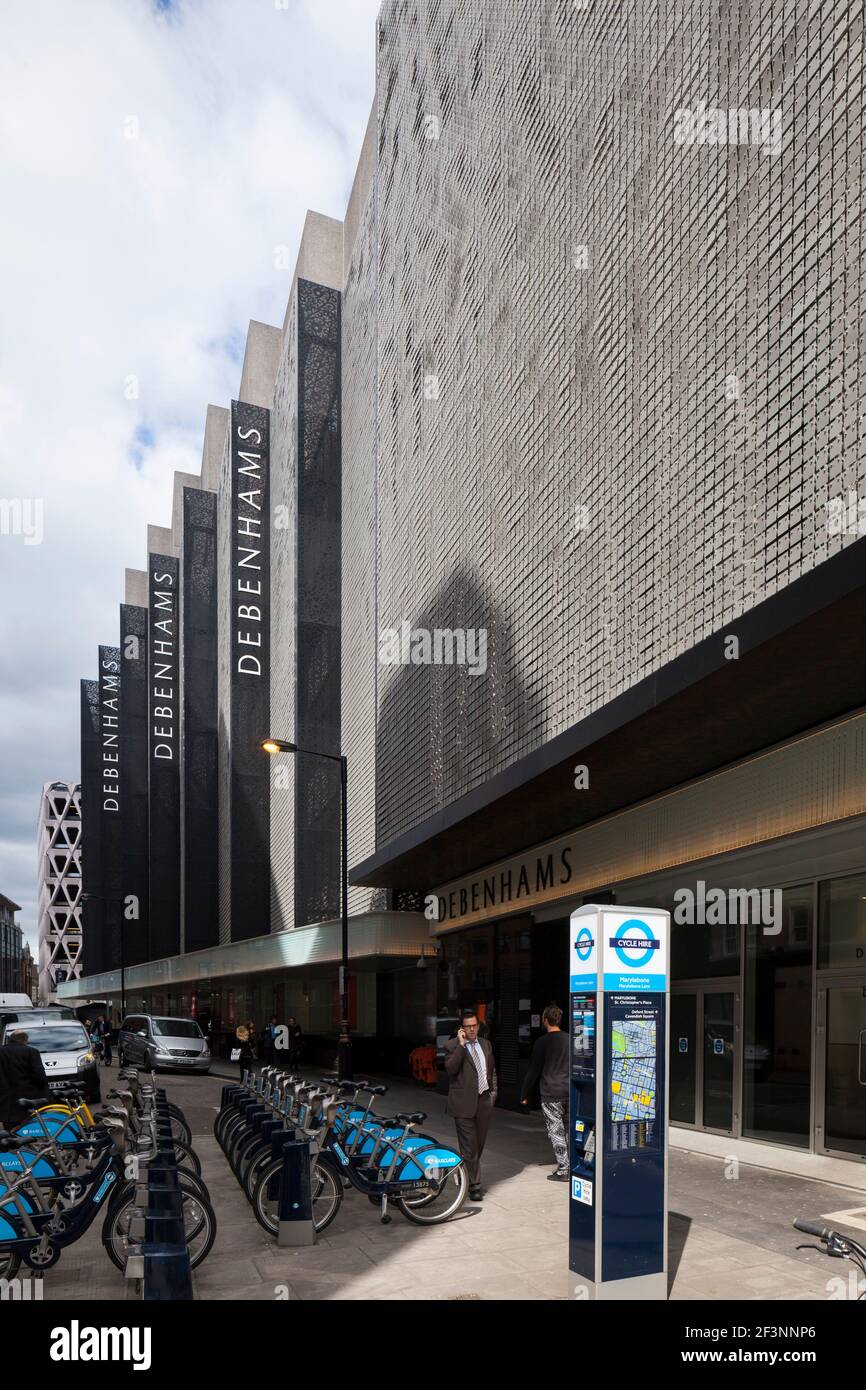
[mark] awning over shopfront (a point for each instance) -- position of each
(373, 937)
(801, 661)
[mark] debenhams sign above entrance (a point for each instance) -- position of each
(542, 875)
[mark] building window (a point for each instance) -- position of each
(777, 1019)
(842, 923)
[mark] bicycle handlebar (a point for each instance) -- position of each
(813, 1228)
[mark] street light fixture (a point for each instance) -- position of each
(344, 1046)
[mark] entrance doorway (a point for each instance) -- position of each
(705, 1056)
(840, 1109)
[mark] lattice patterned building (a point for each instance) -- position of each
(59, 851)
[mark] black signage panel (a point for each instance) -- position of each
(164, 709)
(249, 616)
(134, 762)
(91, 831)
(111, 794)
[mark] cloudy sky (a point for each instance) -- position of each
(154, 156)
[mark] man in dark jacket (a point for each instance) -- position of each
(548, 1072)
(471, 1073)
(21, 1074)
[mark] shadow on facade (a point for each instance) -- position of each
(445, 728)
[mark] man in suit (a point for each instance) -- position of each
(21, 1074)
(471, 1073)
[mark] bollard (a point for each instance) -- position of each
(167, 1275)
(295, 1196)
(164, 1256)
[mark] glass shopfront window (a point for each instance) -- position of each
(842, 924)
(777, 1050)
(489, 969)
(701, 952)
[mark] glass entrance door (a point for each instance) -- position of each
(684, 1058)
(841, 1112)
(704, 1056)
(718, 1088)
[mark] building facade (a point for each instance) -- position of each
(59, 886)
(11, 939)
(614, 264)
(568, 412)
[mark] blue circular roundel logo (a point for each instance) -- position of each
(644, 942)
(584, 943)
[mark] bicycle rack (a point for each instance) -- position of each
(161, 1261)
(296, 1194)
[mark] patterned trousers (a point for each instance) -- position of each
(555, 1112)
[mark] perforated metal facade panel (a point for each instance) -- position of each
(578, 311)
(359, 550)
(199, 785)
(317, 784)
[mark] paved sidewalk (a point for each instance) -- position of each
(729, 1238)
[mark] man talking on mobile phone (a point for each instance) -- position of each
(471, 1073)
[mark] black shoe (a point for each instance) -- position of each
(475, 1194)
(557, 1177)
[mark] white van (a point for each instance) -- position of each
(15, 1001)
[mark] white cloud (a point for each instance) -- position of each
(144, 257)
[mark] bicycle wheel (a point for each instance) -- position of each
(442, 1205)
(247, 1155)
(233, 1126)
(179, 1127)
(186, 1156)
(239, 1139)
(327, 1194)
(10, 1263)
(254, 1172)
(199, 1222)
(188, 1182)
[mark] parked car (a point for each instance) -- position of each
(64, 1047)
(157, 1043)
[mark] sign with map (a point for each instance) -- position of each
(634, 1029)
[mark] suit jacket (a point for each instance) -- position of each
(463, 1078)
(21, 1074)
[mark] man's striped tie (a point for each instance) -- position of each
(480, 1066)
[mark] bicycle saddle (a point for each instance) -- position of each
(11, 1141)
(341, 1088)
(416, 1118)
(372, 1090)
(32, 1104)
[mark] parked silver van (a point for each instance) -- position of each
(157, 1043)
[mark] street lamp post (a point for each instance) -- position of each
(344, 1044)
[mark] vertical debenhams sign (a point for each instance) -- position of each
(250, 668)
(164, 662)
(163, 710)
(251, 541)
(109, 727)
(112, 793)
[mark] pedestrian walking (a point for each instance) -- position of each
(270, 1036)
(296, 1038)
(547, 1078)
(245, 1053)
(103, 1029)
(21, 1074)
(472, 1084)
